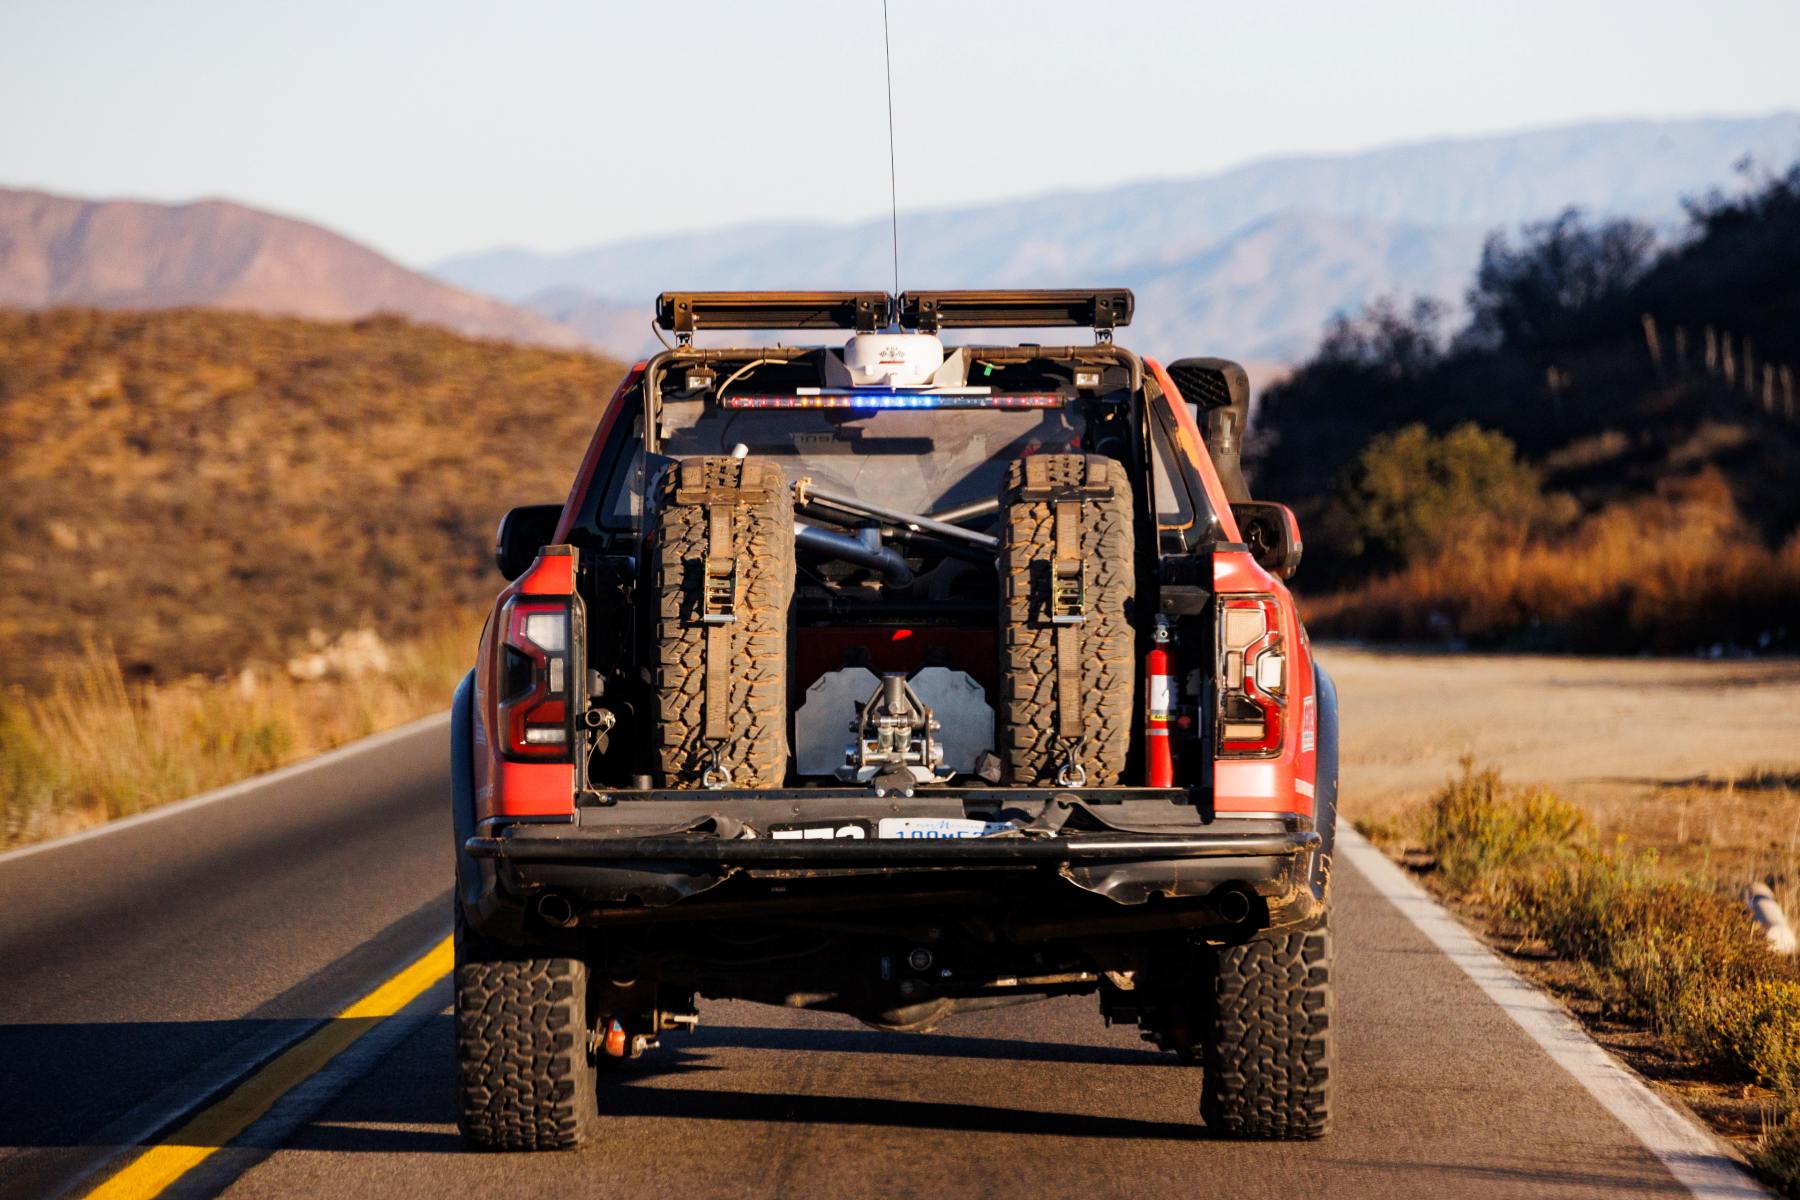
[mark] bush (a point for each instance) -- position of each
(1672, 573)
(1686, 960)
(1410, 494)
(1479, 830)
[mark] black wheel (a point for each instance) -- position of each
(525, 1074)
(1033, 747)
(1269, 1048)
(736, 722)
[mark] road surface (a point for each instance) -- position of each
(151, 968)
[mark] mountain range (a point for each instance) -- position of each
(129, 254)
(1251, 261)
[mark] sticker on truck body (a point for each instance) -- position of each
(890, 827)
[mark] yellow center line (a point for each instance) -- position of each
(159, 1166)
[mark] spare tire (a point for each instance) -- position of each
(722, 661)
(1067, 688)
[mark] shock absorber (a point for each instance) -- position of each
(1159, 703)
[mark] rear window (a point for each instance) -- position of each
(916, 460)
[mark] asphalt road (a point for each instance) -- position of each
(145, 969)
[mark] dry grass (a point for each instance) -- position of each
(95, 747)
(203, 490)
(1676, 952)
(1676, 572)
(232, 541)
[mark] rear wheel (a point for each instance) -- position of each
(525, 1073)
(722, 660)
(1269, 1047)
(1066, 723)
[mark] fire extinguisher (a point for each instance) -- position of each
(1159, 704)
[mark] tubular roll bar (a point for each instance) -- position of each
(1102, 309)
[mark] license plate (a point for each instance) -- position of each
(938, 827)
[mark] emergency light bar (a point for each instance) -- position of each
(886, 399)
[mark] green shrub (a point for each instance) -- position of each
(1410, 494)
(1682, 957)
(1480, 830)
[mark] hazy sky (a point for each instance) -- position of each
(432, 128)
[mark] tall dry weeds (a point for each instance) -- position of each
(1674, 952)
(96, 747)
(1678, 572)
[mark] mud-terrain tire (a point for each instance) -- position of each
(754, 750)
(1270, 1054)
(525, 1077)
(1031, 751)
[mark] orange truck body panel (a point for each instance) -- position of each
(1286, 782)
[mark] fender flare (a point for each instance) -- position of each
(1325, 776)
(462, 783)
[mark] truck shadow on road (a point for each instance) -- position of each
(95, 1070)
(925, 1045)
(406, 1105)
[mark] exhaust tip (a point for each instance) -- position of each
(1232, 905)
(556, 910)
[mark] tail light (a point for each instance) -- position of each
(536, 716)
(1252, 676)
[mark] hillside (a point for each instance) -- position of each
(1602, 458)
(203, 489)
(1197, 247)
(127, 254)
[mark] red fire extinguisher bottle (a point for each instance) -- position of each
(1159, 704)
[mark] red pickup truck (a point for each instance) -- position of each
(894, 676)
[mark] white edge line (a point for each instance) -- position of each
(243, 786)
(1689, 1151)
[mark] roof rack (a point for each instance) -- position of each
(686, 312)
(1101, 309)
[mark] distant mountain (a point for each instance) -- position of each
(1250, 261)
(127, 254)
(620, 328)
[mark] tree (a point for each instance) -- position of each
(1564, 283)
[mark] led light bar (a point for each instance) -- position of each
(897, 400)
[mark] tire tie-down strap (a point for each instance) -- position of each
(720, 564)
(1066, 572)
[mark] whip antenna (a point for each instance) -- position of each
(887, 50)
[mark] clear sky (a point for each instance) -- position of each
(428, 128)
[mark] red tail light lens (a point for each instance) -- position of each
(536, 716)
(1252, 676)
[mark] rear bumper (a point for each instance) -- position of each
(530, 844)
(622, 877)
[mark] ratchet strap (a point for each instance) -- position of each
(718, 600)
(1068, 607)
(1067, 600)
